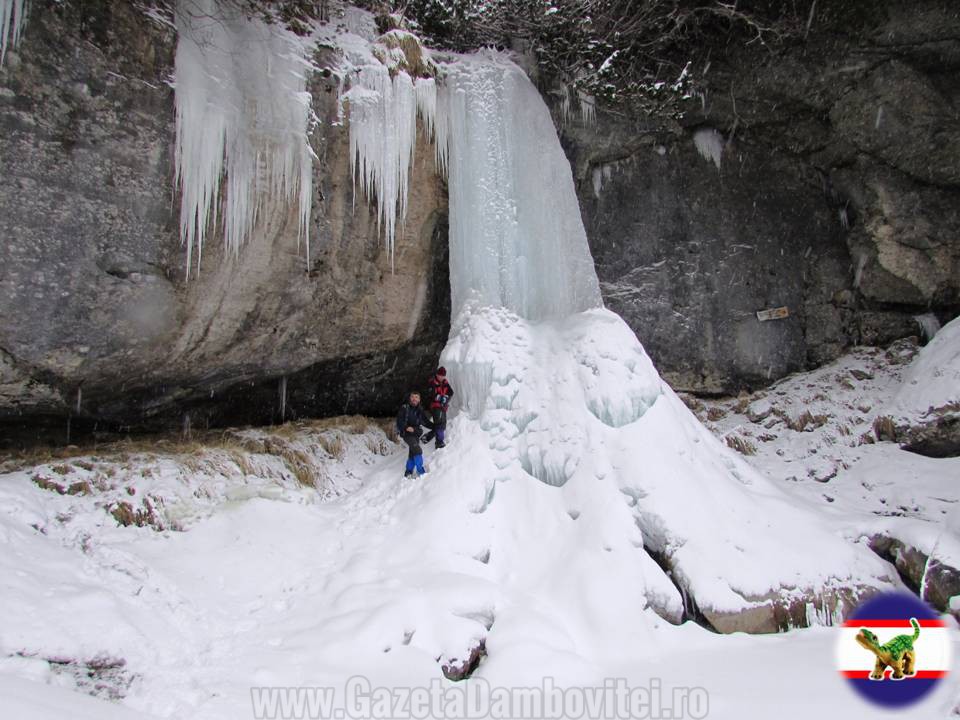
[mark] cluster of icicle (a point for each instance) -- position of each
(242, 114)
(383, 133)
(13, 16)
(510, 248)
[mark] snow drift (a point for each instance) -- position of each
(924, 415)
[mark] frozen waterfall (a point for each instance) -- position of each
(559, 412)
(516, 237)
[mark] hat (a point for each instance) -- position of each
(441, 370)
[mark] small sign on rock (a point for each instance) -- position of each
(773, 314)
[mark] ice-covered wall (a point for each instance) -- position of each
(242, 121)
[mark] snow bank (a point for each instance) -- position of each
(932, 383)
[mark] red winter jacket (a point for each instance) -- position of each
(439, 388)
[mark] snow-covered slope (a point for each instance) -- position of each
(933, 380)
(823, 436)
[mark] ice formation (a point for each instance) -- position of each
(383, 135)
(709, 144)
(565, 394)
(13, 16)
(513, 242)
(555, 390)
(242, 124)
(929, 325)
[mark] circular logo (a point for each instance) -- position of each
(894, 649)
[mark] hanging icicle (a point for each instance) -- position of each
(242, 114)
(384, 103)
(13, 16)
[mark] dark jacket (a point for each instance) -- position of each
(410, 416)
(440, 392)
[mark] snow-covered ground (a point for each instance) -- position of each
(268, 582)
(817, 435)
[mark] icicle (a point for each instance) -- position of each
(13, 17)
(242, 111)
(383, 135)
(588, 108)
(929, 325)
(283, 398)
(709, 144)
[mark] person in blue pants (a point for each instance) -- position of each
(409, 420)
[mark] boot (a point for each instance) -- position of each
(439, 444)
(408, 473)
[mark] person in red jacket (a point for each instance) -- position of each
(439, 393)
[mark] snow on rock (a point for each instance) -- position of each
(13, 17)
(820, 435)
(242, 121)
(925, 412)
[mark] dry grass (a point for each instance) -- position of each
(124, 449)
(332, 445)
(806, 421)
(125, 514)
(378, 446)
(743, 404)
(716, 413)
(47, 484)
(741, 445)
(866, 439)
(884, 428)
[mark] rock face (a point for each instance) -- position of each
(833, 189)
(100, 319)
(824, 178)
(938, 581)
